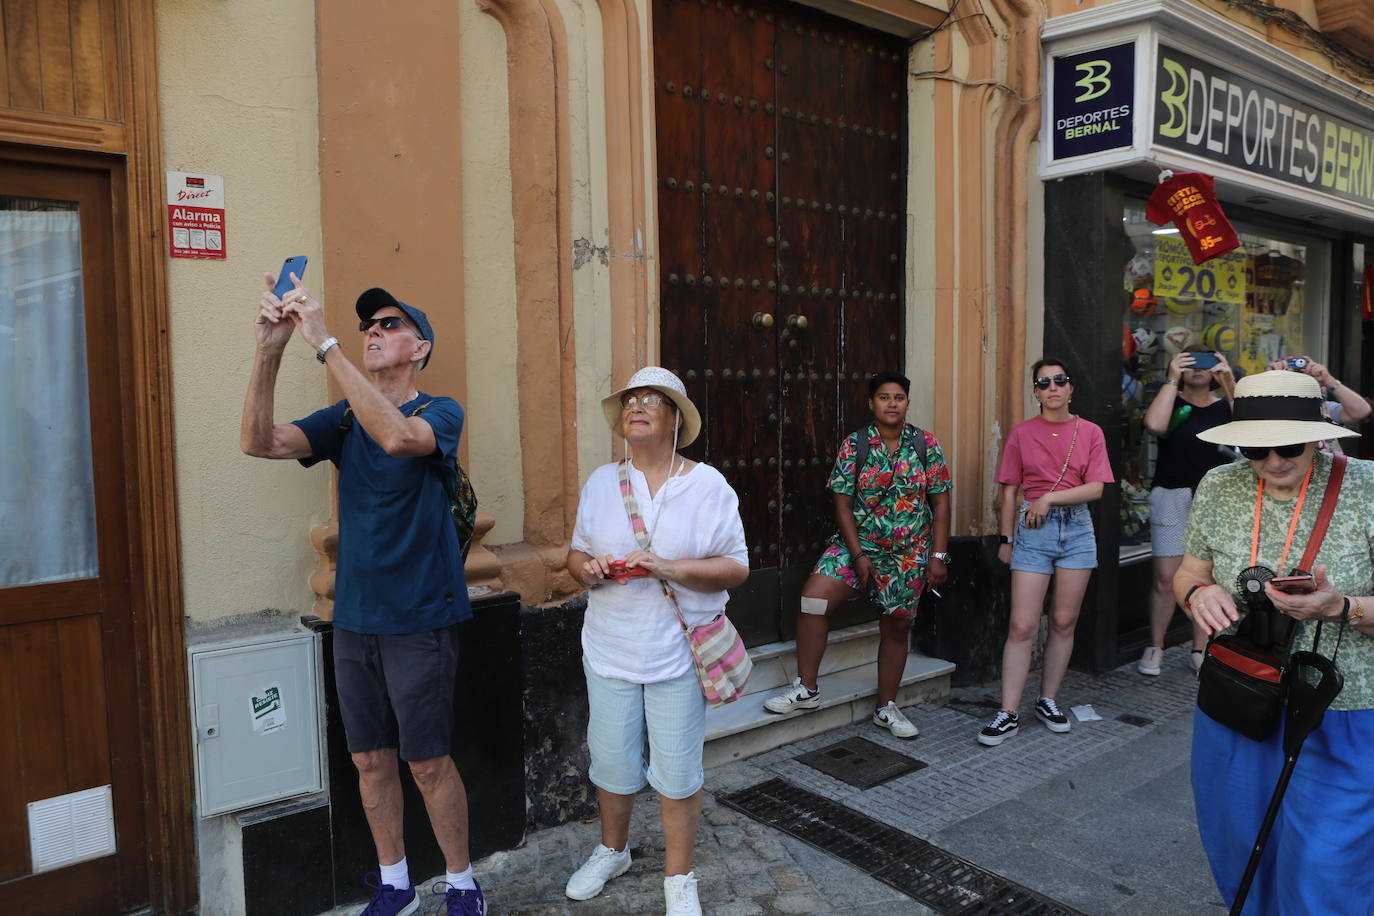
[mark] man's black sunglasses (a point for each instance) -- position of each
(1059, 380)
(387, 322)
(1261, 452)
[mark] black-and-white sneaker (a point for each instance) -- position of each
(1048, 711)
(1002, 727)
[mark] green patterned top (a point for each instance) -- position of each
(1220, 526)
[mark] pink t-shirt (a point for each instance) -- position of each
(1035, 453)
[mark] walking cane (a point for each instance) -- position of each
(1311, 682)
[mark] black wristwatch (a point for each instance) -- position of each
(1005, 539)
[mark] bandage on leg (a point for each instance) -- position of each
(814, 606)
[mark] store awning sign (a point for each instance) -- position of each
(195, 216)
(1206, 110)
(1093, 101)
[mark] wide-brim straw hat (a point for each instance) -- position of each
(1279, 407)
(669, 385)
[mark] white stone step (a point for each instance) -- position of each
(744, 728)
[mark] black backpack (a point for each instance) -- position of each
(861, 453)
(462, 499)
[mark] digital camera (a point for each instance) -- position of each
(1296, 363)
(620, 571)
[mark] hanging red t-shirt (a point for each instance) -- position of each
(1189, 201)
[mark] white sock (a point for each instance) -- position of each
(461, 880)
(398, 875)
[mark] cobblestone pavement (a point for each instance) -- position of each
(1100, 818)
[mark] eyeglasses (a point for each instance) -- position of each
(642, 400)
(1060, 380)
(386, 323)
(1261, 452)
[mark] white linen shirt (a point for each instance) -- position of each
(630, 631)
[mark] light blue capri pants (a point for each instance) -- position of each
(673, 713)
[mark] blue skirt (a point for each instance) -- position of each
(1318, 860)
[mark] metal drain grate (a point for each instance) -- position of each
(860, 762)
(938, 879)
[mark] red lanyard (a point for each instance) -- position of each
(1292, 526)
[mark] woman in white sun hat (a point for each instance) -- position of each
(640, 677)
(1250, 519)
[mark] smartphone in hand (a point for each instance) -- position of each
(290, 266)
(1205, 361)
(1294, 585)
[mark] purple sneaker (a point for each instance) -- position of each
(462, 903)
(388, 901)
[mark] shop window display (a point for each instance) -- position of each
(1265, 300)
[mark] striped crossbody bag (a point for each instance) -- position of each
(718, 654)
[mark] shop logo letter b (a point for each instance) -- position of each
(1094, 82)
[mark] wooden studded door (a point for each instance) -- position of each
(781, 137)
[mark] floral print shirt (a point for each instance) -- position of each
(892, 512)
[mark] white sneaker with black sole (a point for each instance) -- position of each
(1048, 711)
(1002, 727)
(794, 698)
(601, 866)
(891, 718)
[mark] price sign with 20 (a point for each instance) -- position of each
(1177, 277)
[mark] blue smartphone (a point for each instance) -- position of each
(290, 266)
(1204, 361)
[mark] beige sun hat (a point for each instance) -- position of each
(1279, 407)
(669, 385)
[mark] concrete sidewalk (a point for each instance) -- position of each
(1099, 819)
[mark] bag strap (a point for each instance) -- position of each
(1072, 442)
(1328, 508)
(641, 532)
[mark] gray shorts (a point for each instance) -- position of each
(1168, 517)
(396, 690)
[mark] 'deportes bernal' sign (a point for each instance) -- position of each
(1094, 93)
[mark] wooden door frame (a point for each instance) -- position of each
(131, 155)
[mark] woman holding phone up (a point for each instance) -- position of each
(1186, 404)
(1057, 462)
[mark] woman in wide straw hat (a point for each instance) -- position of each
(640, 677)
(1259, 513)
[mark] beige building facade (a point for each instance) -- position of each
(493, 162)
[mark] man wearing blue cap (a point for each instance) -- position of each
(399, 591)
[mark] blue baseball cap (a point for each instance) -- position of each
(375, 299)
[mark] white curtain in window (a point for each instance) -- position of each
(47, 504)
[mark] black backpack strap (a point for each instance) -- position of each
(920, 436)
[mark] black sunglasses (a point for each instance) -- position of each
(1059, 380)
(387, 322)
(1261, 452)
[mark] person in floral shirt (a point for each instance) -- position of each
(892, 542)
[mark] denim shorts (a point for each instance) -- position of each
(1065, 539)
(396, 690)
(672, 713)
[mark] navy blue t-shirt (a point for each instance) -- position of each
(400, 569)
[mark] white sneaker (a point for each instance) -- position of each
(603, 865)
(793, 698)
(1150, 660)
(891, 718)
(680, 895)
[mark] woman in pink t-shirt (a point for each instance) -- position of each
(1057, 463)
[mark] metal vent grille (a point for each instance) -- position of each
(938, 879)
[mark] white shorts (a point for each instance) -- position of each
(1168, 517)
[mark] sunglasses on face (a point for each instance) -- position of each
(386, 322)
(1261, 452)
(1060, 380)
(645, 400)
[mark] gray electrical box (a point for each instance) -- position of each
(257, 725)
